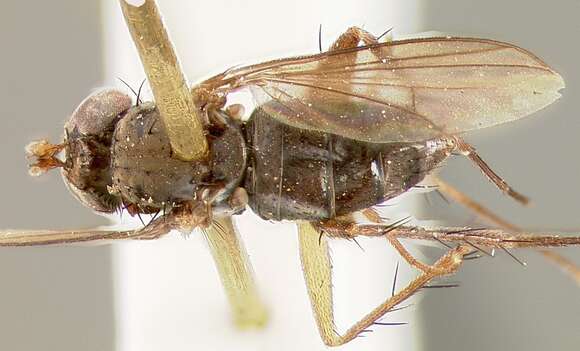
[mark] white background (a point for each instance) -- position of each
(172, 282)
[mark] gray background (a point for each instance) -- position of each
(50, 298)
(500, 305)
(62, 298)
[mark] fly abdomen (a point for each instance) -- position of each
(297, 174)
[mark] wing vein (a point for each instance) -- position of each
(356, 82)
(317, 72)
(350, 94)
(391, 59)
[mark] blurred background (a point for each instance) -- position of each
(167, 295)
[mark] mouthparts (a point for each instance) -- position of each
(44, 157)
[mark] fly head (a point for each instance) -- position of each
(86, 149)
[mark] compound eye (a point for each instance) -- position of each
(99, 112)
(89, 136)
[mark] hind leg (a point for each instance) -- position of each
(317, 271)
(483, 212)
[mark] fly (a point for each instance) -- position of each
(333, 135)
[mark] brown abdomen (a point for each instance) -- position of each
(298, 174)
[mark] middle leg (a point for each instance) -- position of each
(352, 37)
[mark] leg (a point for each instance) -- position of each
(485, 213)
(501, 184)
(472, 205)
(156, 229)
(183, 219)
(317, 273)
(374, 217)
(484, 237)
(352, 37)
(350, 229)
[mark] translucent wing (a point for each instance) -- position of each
(408, 90)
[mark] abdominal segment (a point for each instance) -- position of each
(297, 174)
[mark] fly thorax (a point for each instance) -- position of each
(228, 165)
(148, 176)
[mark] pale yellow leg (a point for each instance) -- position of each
(236, 274)
(317, 273)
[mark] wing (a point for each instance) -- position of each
(408, 90)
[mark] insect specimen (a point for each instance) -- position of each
(334, 133)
